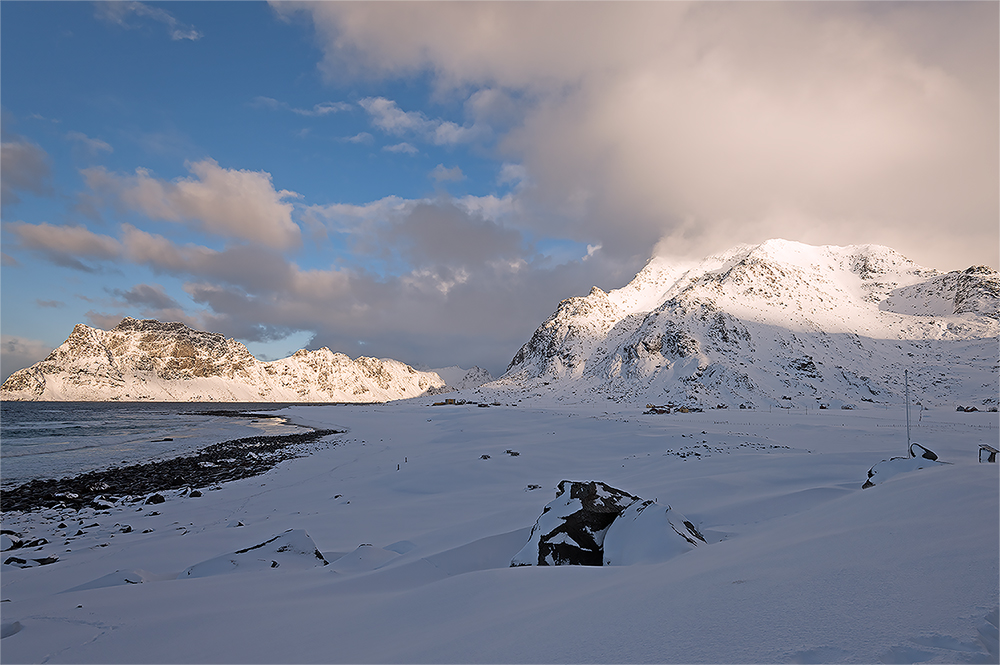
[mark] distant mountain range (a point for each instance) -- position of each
(150, 360)
(775, 324)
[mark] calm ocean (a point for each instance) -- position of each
(59, 439)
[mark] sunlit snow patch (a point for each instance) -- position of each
(292, 549)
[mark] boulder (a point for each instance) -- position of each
(646, 532)
(571, 529)
(920, 458)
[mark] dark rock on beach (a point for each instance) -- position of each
(222, 462)
(571, 528)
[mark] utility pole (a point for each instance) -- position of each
(906, 383)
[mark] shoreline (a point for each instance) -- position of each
(218, 463)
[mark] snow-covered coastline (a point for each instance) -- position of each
(418, 530)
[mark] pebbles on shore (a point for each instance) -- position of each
(218, 463)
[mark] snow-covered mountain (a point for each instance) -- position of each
(781, 324)
(463, 379)
(150, 360)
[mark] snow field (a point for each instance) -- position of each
(801, 565)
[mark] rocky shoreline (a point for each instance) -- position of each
(218, 463)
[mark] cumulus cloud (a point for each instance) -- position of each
(24, 167)
(122, 13)
(441, 173)
(707, 124)
(226, 202)
(66, 246)
(387, 116)
(401, 147)
(147, 295)
(455, 269)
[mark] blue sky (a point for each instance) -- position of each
(427, 181)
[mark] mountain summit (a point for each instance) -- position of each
(780, 323)
(151, 360)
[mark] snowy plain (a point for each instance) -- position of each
(418, 529)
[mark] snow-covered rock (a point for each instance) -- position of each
(646, 532)
(293, 549)
(775, 324)
(570, 531)
(920, 458)
(150, 360)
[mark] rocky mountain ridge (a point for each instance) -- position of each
(775, 324)
(152, 360)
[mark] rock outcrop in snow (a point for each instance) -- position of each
(593, 524)
(775, 324)
(293, 549)
(919, 458)
(150, 360)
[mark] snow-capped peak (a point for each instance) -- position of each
(779, 322)
(154, 360)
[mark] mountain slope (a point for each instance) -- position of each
(780, 323)
(150, 360)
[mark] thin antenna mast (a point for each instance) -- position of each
(906, 382)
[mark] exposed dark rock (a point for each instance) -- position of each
(571, 528)
(916, 450)
(155, 498)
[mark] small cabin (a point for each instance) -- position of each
(988, 452)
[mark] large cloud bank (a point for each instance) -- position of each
(618, 130)
(703, 124)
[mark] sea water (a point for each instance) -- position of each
(61, 439)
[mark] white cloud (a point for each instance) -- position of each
(317, 110)
(226, 202)
(512, 173)
(90, 144)
(360, 137)
(442, 174)
(490, 207)
(715, 123)
(387, 116)
(120, 12)
(401, 147)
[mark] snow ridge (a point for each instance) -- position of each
(781, 324)
(150, 360)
